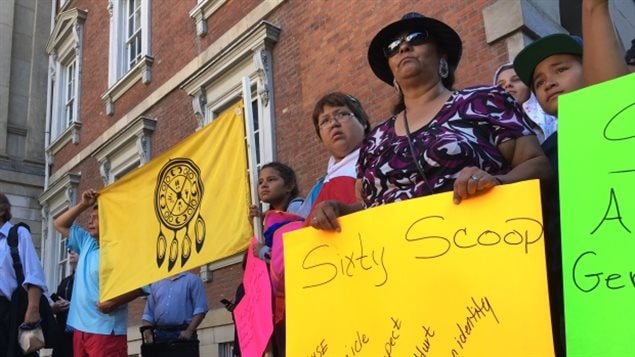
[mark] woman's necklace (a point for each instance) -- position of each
(412, 151)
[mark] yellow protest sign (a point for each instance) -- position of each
(423, 277)
(187, 207)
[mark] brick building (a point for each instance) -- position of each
(131, 78)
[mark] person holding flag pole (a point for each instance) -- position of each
(100, 327)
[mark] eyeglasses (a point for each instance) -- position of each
(412, 39)
(339, 117)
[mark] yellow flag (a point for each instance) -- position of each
(185, 208)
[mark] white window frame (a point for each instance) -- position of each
(218, 85)
(69, 83)
(59, 197)
(132, 46)
(62, 259)
(122, 73)
(65, 47)
(226, 349)
(63, 4)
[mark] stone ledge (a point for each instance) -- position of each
(505, 17)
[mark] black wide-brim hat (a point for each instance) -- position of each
(446, 38)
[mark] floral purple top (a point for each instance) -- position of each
(465, 132)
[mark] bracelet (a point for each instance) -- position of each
(498, 180)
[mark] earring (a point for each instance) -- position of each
(396, 86)
(444, 69)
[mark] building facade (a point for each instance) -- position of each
(128, 79)
(24, 29)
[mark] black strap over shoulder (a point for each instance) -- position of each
(19, 302)
(12, 239)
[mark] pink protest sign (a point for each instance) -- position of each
(253, 314)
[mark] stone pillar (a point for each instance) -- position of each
(623, 16)
(6, 43)
(36, 109)
(518, 22)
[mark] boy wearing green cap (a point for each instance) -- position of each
(552, 66)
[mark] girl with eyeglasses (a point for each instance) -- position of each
(341, 123)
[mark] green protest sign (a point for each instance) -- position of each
(597, 205)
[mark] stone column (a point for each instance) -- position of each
(518, 22)
(36, 109)
(6, 43)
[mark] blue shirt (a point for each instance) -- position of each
(83, 314)
(174, 301)
(310, 199)
(31, 266)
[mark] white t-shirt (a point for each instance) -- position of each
(547, 124)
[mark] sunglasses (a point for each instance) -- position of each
(411, 39)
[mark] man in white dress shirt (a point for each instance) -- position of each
(34, 281)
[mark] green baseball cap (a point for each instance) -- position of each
(526, 61)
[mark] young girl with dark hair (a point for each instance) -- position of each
(277, 187)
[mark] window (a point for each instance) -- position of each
(133, 32)
(70, 89)
(129, 36)
(257, 132)
(62, 264)
(225, 349)
(130, 60)
(65, 53)
(64, 109)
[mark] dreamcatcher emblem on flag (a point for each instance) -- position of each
(177, 201)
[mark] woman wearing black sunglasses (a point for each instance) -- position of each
(439, 139)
